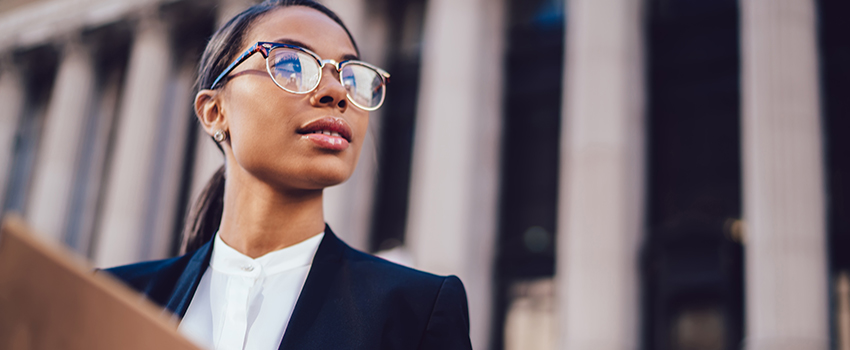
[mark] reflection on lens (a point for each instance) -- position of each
(299, 72)
(363, 85)
(294, 70)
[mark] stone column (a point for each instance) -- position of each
(86, 198)
(128, 182)
(455, 172)
(601, 185)
(783, 180)
(173, 131)
(56, 163)
(12, 97)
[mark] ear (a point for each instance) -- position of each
(209, 112)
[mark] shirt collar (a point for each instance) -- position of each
(227, 260)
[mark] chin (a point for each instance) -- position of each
(328, 177)
(309, 178)
(314, 173)
(330, 171)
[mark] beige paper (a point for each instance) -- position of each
(49, 300)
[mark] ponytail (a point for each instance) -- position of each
(205, 216)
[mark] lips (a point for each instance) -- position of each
(329, 132)
(328, 126)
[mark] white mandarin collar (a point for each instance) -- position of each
(229, 261)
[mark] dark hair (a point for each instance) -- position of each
(228, 41)
(223, 47)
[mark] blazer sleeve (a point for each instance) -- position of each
(448, 325)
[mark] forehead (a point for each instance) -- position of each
(306, 25)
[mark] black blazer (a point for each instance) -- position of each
(350, 300)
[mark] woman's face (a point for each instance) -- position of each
(274, 135)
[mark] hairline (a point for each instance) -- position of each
(251, 23)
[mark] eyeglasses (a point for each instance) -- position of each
(299, 71)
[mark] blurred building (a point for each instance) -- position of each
(657, 174)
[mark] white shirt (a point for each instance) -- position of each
(244, 303)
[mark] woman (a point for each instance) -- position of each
(283, 95)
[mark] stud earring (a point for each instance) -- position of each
(219, 136)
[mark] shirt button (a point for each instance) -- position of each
(248, 268)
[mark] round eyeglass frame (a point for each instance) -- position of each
(265, 49)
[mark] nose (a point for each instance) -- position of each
(330, 92)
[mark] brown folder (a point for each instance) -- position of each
(51, 300)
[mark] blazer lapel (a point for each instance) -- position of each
(186, 285)
(326, 263)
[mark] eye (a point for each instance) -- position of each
(287, 62)
(294, 70)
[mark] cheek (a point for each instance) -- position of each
(361, 133)
(363, 123)
(264, 143)
(259, 131)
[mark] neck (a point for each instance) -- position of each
(258, 219)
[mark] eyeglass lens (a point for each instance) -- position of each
(294, 70)
(297, 71)
(363, 85)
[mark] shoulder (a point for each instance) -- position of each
(140, 273)
(382, 277)
(365, 274)
(156, 279)
(387, 271)
(438, 301)
(441, 298)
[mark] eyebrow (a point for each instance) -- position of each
(287, 41)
